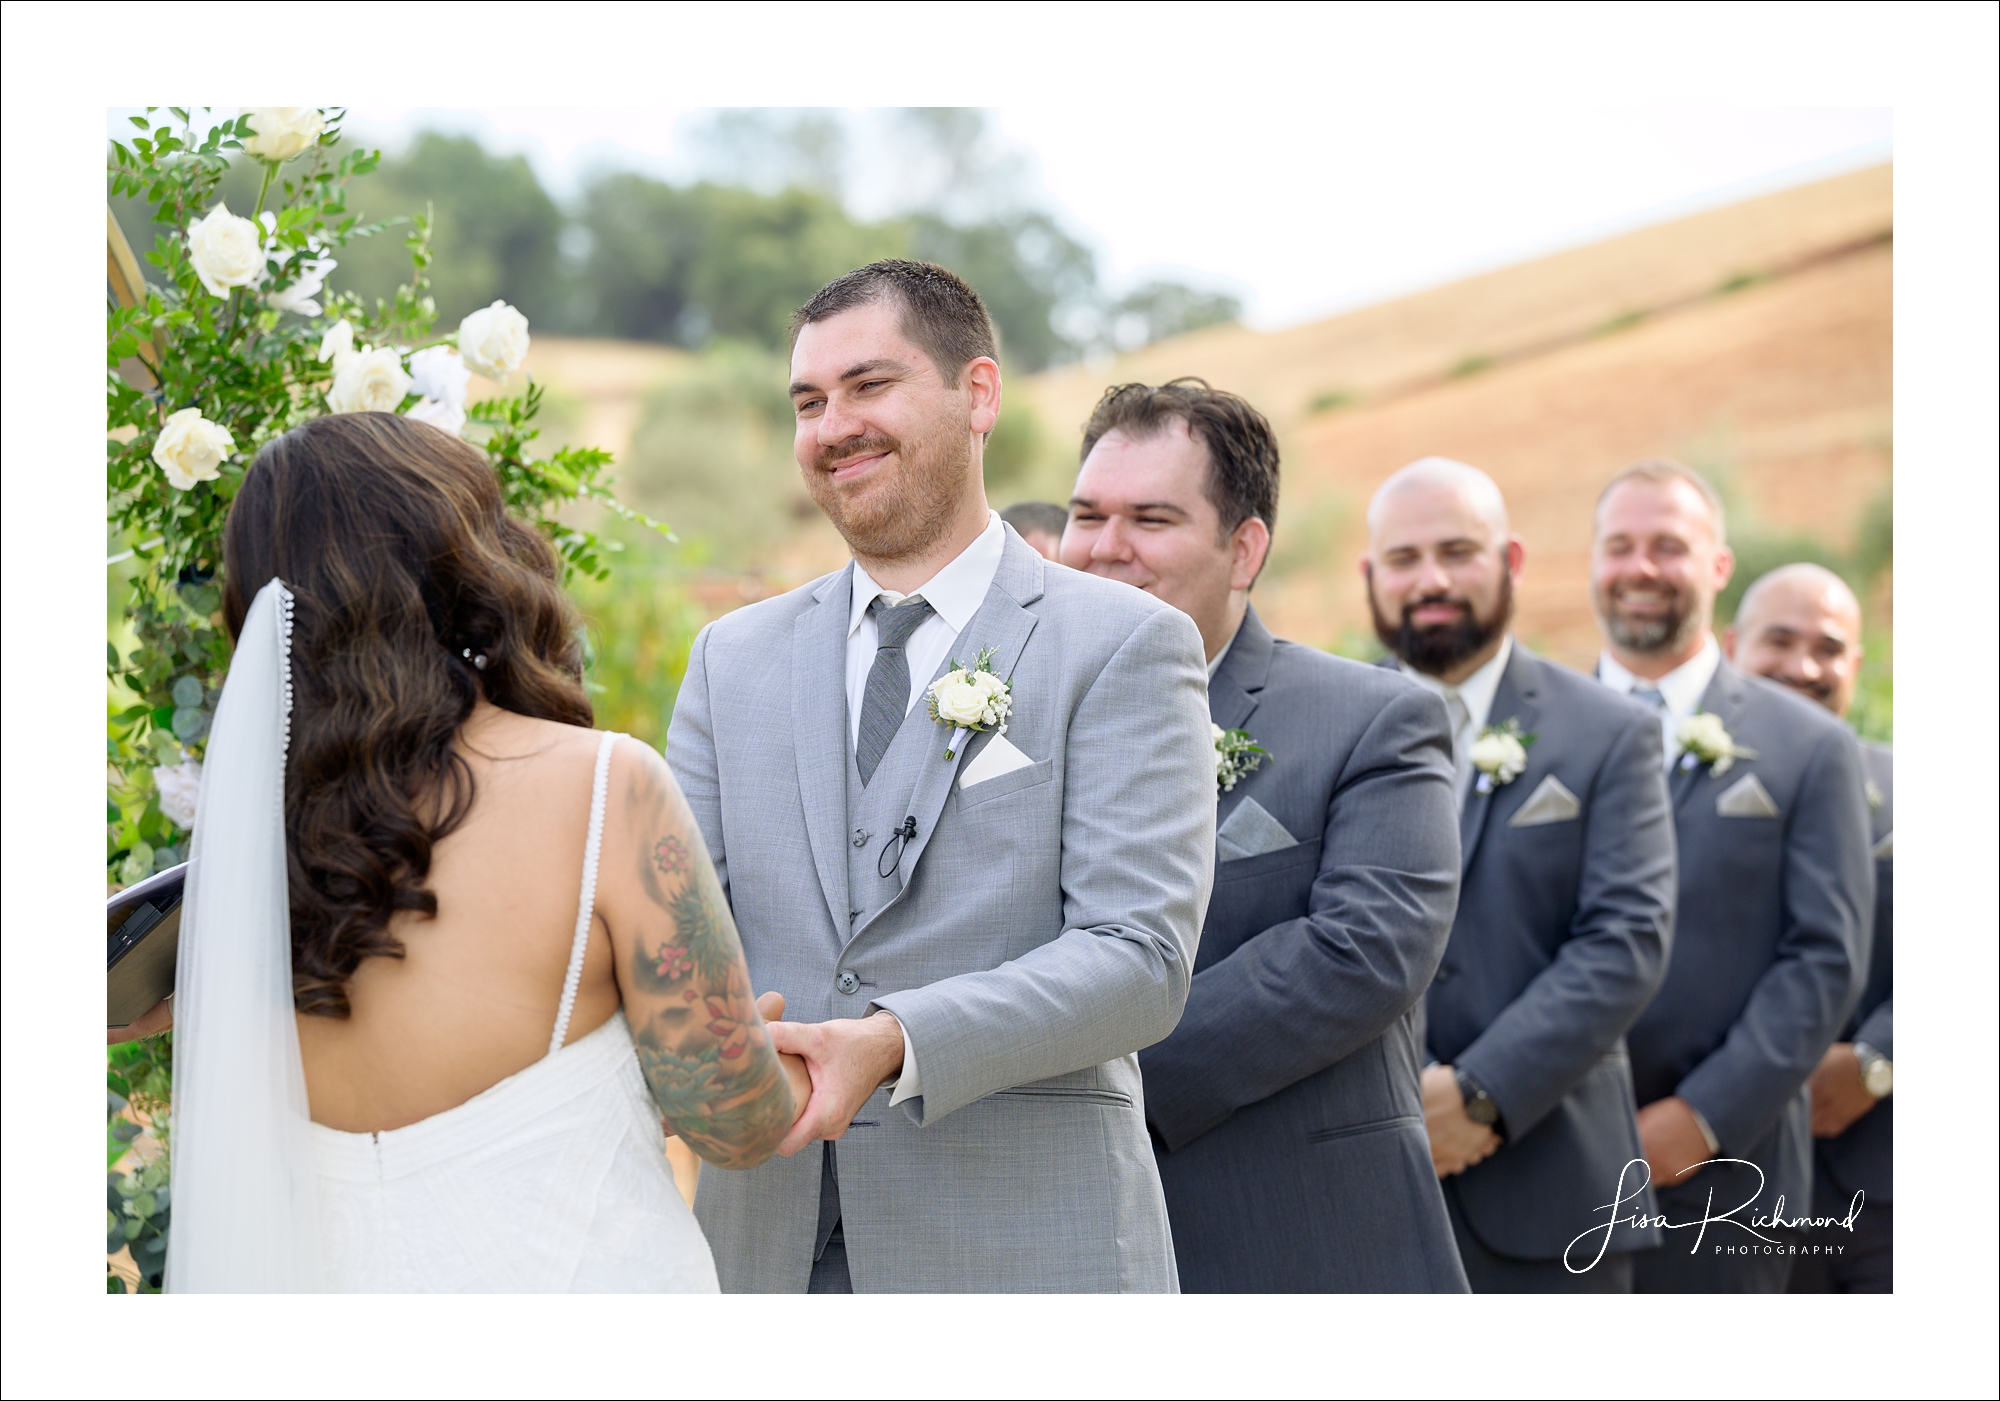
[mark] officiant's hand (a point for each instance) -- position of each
(771, 1007)
(156, 1019)
(848, 1059)
(1456, 1141)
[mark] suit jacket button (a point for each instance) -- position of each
(848, 982)
(1443, 975)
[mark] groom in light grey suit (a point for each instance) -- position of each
(974, 933)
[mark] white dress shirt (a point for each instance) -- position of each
(1470, 705)
(954, 594)
(1681, 689)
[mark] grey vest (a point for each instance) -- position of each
(874, 814)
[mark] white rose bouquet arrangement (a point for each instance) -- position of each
(970, 699)
(222, 336)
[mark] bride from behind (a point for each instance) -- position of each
(482, 948)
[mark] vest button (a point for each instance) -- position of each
(848, 982)
(860, 837)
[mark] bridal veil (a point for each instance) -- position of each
(245, 1201)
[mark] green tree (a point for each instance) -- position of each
(495, 231)
(683, 264)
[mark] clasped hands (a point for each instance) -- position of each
(1456, 1141)
(833, 1067)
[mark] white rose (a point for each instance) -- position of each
(987, 683)
(959, 702)
(438, 373)
(494, 341)
(449, 417)
(1221, 759)
(1703, 733)
(369, 381)
(282, 132)
(226, 251)
(1500, 755)
(337, 344)
(179, 785)
(190, 448)
(307, 279)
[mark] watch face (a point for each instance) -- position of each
(1879, 1078)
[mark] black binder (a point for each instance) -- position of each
(144, 936)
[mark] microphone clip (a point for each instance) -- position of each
(892, 848)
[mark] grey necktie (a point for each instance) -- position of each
(887, 697)
(1649, 695)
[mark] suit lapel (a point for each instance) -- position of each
(1004, 624)
(1235, 689)
(1723, 698)
(1514, 698)
(819, 735)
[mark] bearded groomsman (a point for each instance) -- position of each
(1285, 1109)
(1565, 904)
(1776, 895)
(1801, 626)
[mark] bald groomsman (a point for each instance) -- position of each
(1776, 896)
(1801, 626)
(1286, 1112)
(1565, 903)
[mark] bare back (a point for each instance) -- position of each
(475, 998)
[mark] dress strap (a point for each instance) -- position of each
(587, 902)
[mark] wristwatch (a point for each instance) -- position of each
(1480, 1107)
(1878, 1076)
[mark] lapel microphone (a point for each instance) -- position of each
(892, 849)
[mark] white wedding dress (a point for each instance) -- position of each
(554, 1180)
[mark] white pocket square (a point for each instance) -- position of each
(996, 758)
(1746, 797)
(1251, 831)
(1550, 802)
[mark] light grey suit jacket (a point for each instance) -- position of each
(1043, 933)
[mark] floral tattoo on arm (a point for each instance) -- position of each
(701, 1042)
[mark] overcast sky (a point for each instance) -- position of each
(1299, 210)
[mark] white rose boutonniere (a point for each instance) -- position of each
(191, 449)
(368, 381)
(1703, 740)
(279, 133)
(1236, 756)
(971, 700)
(1500, 754)
(494, 341)
(226, 251)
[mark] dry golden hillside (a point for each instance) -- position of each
(1753, 341)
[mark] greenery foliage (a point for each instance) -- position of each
(246, 353)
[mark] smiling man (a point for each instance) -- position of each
(1565, 904)
(1800, 625)
(974, 932)
(1775, 893)
(1285, 1107)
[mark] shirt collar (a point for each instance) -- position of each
(954, 592)
(1682, 688)
(1476, 690)
(1223, 655)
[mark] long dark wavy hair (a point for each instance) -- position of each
(397, 547)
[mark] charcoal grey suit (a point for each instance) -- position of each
(1564, 916)
(1285, 1106)
(1037, 931)
(1863, 1159)
(1771, 941)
